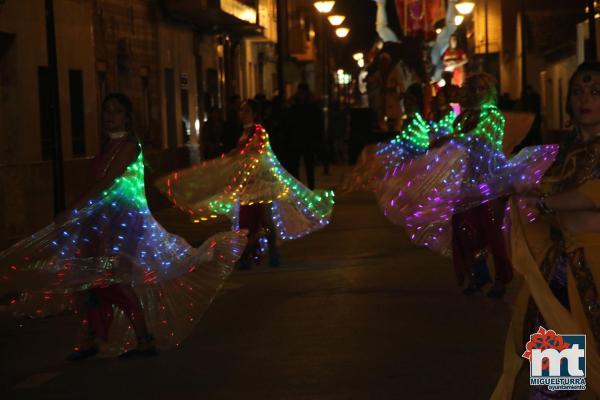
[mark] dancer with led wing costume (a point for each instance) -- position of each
(453, 198)
(249, 186)
(379, 159)
(110, 261)
(558, 254)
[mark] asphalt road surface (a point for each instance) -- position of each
(354, 312)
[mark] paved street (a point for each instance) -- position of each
(354, 312)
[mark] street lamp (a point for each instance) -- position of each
(465, 7)
(361, 62)
(358, 56)
(336, 20)
(342, 32)
(324, 7)
(458, 19)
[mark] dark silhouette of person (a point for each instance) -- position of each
(338, 127)
(531, 101)
(273, 123)
(505, 102)
(233, 124)
(304, 129)
(212, 135)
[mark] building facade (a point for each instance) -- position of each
(174, 67)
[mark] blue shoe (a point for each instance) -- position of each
(481, 274)
(471, 289)
(274, 260)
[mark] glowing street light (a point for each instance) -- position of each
(342, 78)
(465, 7)
(324, 7)
(358, 56)
(342, 32)
(361, 62)
(336, 20)
(458, 20)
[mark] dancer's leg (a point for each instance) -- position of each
(269, 225)
(250, 220)
(124, 297)
(94, 320)
(498, 247)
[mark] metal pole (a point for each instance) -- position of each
(57, 156)
(487, 42)
(591, 53)
(281, 44)
(324, 67)
(323, 62)
(523, 48)
(327, 77)
(325, 99)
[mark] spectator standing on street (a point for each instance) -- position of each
(263, 107)
(531, 102)
(233, 123)
(304, 126)
(212, 135)
(338, 127)
(273, 123)
(391, 83)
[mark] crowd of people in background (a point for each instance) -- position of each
(300, 136)
(296, 128)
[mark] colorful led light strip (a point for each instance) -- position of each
(490, 126)
(256, 157)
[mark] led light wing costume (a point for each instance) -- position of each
(379, 159)
(246, 176)
(111, 240)
(465, 170)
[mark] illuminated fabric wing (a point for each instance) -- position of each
(379, 159)
(420, 195)
(467, 171)
(245, 177)
(114, 239)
